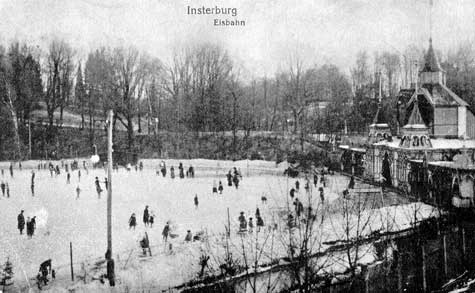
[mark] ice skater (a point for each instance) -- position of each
(220, 188)
(215, 189)
(166, 231)
(180, 168)
(8, 191)
(106, 183)
(98, 188)
(21, 222)
(172, 173)
(132, 221)
(78, 192)
(229, 176)
(146, 216)
(242, 222)
(68, 178)
(196, 201)
(3, 186)
(189, 236)
(251, 225)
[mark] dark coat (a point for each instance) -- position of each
(145, 215)
(21, 221)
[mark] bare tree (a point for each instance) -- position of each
(58, 70)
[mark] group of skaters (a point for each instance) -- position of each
(189, 173)
(148, 219)
(248, 226)
(30, 224)
(10, 168)
(233, 177)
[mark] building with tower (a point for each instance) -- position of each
(436, 137)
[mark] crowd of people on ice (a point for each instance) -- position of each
(233, 177)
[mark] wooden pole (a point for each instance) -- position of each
(444, 239)
(228, 232)
(424, 281)
(71, 260)
(463, 243)
(110, 261)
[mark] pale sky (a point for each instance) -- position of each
(322, 31)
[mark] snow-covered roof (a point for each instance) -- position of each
(452, 165)
(437, 143)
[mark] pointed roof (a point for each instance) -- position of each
(431, 62)
(379, 118)
(415, 120)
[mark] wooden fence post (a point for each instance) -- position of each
(71, 259)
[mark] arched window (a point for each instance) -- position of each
(415, 141)
(423, 140)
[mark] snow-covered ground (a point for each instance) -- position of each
(61, 219)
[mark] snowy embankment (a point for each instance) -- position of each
(61, 219)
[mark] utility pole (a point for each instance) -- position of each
(110, 260)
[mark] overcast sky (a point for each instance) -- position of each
(323, 31)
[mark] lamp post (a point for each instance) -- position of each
(110, 260)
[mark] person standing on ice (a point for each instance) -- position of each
(297, 185)
(106, 183)
(163, 168)
(98, 187)
(2, 186)
(151, 219)
(188, 236)
(21, 222)
(229, 176)
(166, 231)
(172, 173)
(215, 189)
(236, 181)
(180, 168)
(196, 201)
(11, 170)
(242, 222)
(79, 175)
(8, 191)
(78, 192)
(33, 225)
(146, 216)
(132, 221)
(68, 178)
(251, 225)
(315, 179)
(298, 207)
(220, 188)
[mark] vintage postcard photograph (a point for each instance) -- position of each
(237, 146)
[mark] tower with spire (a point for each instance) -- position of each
(379, 129)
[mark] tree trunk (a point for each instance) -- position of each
(15, 124)
(130, 132)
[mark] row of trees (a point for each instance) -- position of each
(203, 89)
